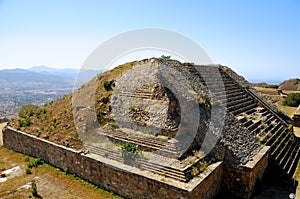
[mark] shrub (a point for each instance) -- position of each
(195, 171)
(27, 159)
(293, 99)
(66, 171)
(113, 124)
(129, 153)
(132, 108)
(166, 56)
(38, 133)
(27, 110)
(24, 122)
(28, 171)
(203, 166)
(132, 148)
(34, 189)
(258, 138)
(106, 85)
(35, 162)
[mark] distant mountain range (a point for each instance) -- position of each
(65, 72)
(44, 77)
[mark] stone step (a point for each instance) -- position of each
(269, 118)
(164, 171)
(259, 129)
(277, 134)
(166, 148)
(270, 132)
(242, 119)
(264, 112)
(146, 165)
(221, 96)
(118, 154)
(209, 79)
(292, 158)
(285, 155)
(217, 88)
(279, 143)
(147, 140)
(237, 106)
(135, 95)
(244, 109)
(283, 150)
(104, 152)
(237, 100)
(292, 169)
(254, 125)
(138, 139)
(247, 123)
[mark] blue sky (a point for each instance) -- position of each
(258, 39)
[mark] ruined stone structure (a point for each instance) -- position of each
(199, 130)
(296, 117)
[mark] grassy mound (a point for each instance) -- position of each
(55, 122)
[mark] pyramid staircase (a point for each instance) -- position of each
(252, 112)
(256, 115)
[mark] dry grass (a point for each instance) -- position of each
(51, 182)
(56, 124)
(287, 110)
(268, 91)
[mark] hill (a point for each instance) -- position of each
(54, 121)
(40, 77)
(290, 85)
(21, 79)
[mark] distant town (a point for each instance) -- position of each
(12, 100)
(37, 85)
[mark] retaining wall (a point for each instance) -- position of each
(296, 117)
(122, 179)
(241, 180)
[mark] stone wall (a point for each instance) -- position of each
(241, 180)
(296, 117)
(122, 179)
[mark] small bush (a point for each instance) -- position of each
(27, 110)
(133, 108)
(129, 152)
(113, 124)
(28, 171)
(203, 166)
(106, 85)
(132, 148)
(166, 56)
(35, 162)
(27, 159)
(34, 189)
(38, 133)
(66, 171)
(24, 122)
(258, 138)
(195, 171)
(293, 99)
